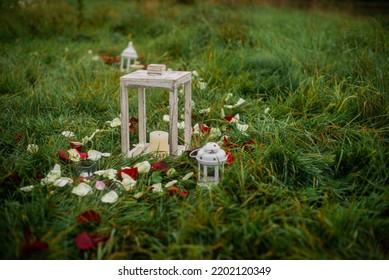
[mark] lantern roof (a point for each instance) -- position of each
(211, 154)
(130, 51)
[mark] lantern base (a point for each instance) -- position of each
(144, 149)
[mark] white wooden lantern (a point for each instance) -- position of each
(128, 57)
(156, 77)
(210, 159)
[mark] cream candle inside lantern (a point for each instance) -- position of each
(159, 142)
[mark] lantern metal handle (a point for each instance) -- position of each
(195, 150)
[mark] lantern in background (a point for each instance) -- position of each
(127, 56)
(211, 159)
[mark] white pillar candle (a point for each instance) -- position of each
(159, 142)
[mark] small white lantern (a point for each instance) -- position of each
(211, 159)
(127, 56)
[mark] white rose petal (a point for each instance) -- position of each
(181, 125)
(32, 148)
(27, 188)
(82, 189)
(110, 197)
(143, 167)
(171, 183)
(187, 176)
(63, 181)
(242, 127)
(94, 155)
(108, 173)
(74, 155)
(53, 175)
(138, 195)
(267, 110)
(128, 183)
(166, 118)
(157, 187)
(68, 134)
(115, 122)
(100, 185)
(204, 111)
(106, 154)
(195, 73)
(240, 102)
(229, 95)
(214, 132)
(171, 171)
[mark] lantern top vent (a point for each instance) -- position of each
(130, 51)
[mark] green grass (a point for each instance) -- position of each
(312, 185)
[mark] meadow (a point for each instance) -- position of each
(309, 142)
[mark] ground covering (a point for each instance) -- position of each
(299, 98)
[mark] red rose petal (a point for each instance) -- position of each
(84, 241)
(76, 145)
(160, 166)
(173, 189)
(88, 216)
(63, 156)
(230, 159)
(82, 155)
(229, 118)
(204, 128)
(184, 194)
(96, 238)
(132, 172)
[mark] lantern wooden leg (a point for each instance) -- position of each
(188, 113)
(142, 115)
(125, 137)
(173, 135)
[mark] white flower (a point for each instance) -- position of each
(205, 111)
(110, 197)
(74, 155)
(27, 188)
(187, 176)
(82, 189)
(53, 175)
(157, 187)
(32, 148)
(90, 51)
(267, 110)
(166, 118)
(68, 134)
(242, 127)
(108, 173)
(96, 155)
(115, 122)
(171, 183)
(128, 183)
(143, 167)
(63, 181)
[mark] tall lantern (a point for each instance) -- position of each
(211, 159)
(127, 56)
(160, 142)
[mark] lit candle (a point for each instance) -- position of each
(159, 142)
